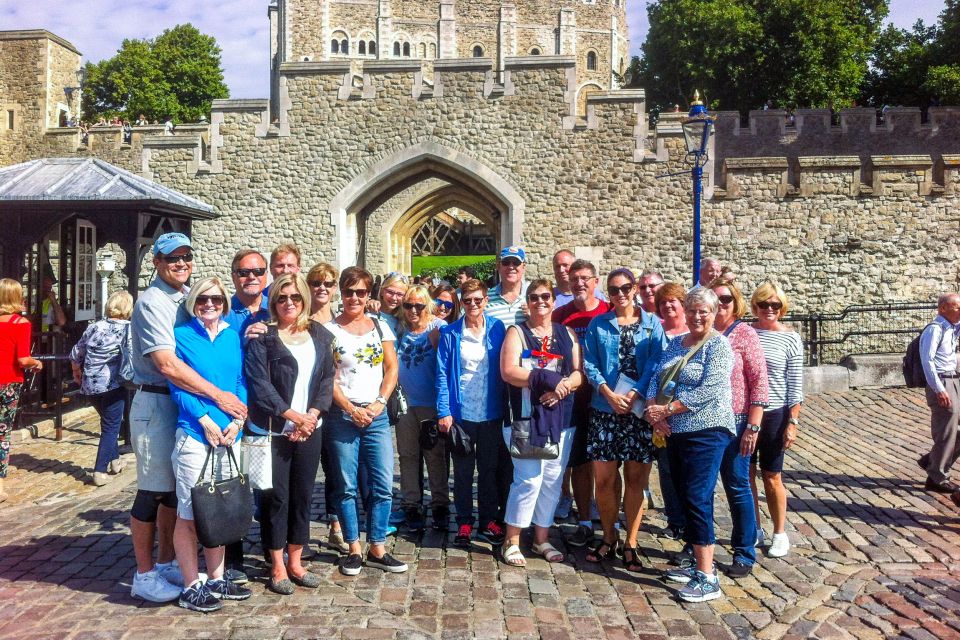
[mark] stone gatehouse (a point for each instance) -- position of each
(355, 150)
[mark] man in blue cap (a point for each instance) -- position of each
(507, 302)
(153, 415)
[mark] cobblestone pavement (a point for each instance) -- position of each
(874, 557)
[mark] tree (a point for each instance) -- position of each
(743, 53)
(898, 67)
(177, 74)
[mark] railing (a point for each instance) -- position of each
(860, 329)
(45, 394)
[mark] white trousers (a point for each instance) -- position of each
(537, 486)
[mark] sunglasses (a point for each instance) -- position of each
(409, 306)
(295, 298)
(539, 297)
(725, 299)
(469, 302)
(245, 273)
(623, 289)
(399, 276)
(217, 301)
(355, 293)
(511, 262)
(326, 284)
(187, 259)
(443, 303)
(776, 306)
(649, 286)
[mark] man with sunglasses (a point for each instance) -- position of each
(577, 315)
(249, 309)
(153, 415)
(507, 301)
(648, 284)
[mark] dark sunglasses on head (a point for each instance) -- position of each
(725, 299)
(295, 298)
(776, 306)
(326, 284)
(445, 304)
(539, 297)
(414, 305)
(215, 300)
(469, 302)
(243, 273)
(187, 258)
(510, 262)
(358, 293)
(623, 289)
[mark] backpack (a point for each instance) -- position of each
(913, 374)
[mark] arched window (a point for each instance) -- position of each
(344, 46)
(334, 46)
(396, 49)
(362, 48)
(591, 61)
(422, 50)
(433, 50)
(477, 51)
(372, 47)
(535, 51)
(406, 49)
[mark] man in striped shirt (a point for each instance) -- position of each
(938, 355)
(507, 301)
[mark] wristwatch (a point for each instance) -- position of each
(381, 400)
(753, 427)
(794, 422)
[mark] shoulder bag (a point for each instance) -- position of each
(520, 446)
(223, 510)
(668, 377)
(125, 370)
(397, 402)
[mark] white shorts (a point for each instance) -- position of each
(188, 457)
(153, 425)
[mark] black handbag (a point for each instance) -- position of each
(397, 402)
(521, 448)
(222, 511)
(429, 434)
(458, 441)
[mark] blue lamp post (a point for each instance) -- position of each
(697, 127)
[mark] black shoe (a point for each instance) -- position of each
(226, 590)
(414, 519)
(941, 487)
(739, 569)
(199, 598)
(672, 533)
(923, 461)
(581, 536)
(351, 565)
(441, 518)
(493, 533)
(955, 496)
(236, 576)
(386, 563)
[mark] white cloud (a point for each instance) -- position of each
(98, 27)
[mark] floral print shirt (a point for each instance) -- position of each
(749, 378)
(418, 366)
(98, 355)
(359, 361)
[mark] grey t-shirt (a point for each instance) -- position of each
(158, 310)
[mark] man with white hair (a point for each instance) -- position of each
(938, 355)
(710, 270)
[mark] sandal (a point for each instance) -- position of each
(596, 552)
(631, 560)
(513, 557)
(548, 552)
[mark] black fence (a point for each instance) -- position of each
(860, 329)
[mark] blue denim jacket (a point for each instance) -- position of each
(601, 360)
(448, 370)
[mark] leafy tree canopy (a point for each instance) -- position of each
(176, 74)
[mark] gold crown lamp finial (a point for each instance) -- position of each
(696, 99)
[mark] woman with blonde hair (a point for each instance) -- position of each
(15, 358)
(783, 352)
(96, 361)
(322, 280)
(387, 308)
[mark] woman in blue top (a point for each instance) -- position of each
(693, 409)
(417, 356)
(210, 347)
(471, 393)
(617, 348)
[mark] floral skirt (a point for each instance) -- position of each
(9, 399)
(619, 438)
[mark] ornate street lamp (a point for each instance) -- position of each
(697, 127)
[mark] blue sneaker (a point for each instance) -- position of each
(681, 575)
(391, 531)
(701, 588)
(397, 517)
(761, 539)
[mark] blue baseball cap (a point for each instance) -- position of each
(170, 242)
(514, 252)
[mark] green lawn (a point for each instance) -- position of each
(441, 263)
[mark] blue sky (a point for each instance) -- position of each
(97, 28)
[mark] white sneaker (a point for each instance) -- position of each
(779, 545)
(151, 586)
(170, 572)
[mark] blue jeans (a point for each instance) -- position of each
(695, 459)
(373, 447)
(110, 407)
(735, 473)
(672, 508)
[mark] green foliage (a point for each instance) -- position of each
(446, 267)
(943, 81)
(898, 67)
(743, 53)
(176, 74)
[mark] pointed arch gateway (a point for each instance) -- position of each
(450, 178)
